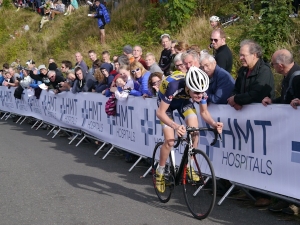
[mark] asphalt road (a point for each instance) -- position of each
(46, 181)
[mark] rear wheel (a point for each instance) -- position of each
(169, 175)
(200, 186)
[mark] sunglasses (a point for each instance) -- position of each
(214, 40)
(136, 70)
(156, 83)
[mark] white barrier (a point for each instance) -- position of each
(260, 147)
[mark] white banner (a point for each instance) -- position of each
(260, 145)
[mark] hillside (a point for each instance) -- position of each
(133, 22)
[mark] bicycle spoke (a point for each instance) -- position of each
(200, 187)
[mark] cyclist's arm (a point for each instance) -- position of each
(206, 116)
(162, 115)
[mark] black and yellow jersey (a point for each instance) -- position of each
(173, 87)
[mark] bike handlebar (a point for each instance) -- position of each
(194, 129)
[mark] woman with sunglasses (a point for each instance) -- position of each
(141, 76)
(154, 82)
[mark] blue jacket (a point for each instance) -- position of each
(102, 15)
(142, 88)
(220, 86)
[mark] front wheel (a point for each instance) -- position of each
(169, 174)
(199, 185)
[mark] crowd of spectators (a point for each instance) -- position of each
(130, 74)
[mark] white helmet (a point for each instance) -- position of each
(197, 80)
(214, 19)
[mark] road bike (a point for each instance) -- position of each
(195, 172)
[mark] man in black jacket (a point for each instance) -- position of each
(255, 80)
(222, 54)
(283, 63)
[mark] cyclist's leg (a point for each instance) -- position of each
(188, 112)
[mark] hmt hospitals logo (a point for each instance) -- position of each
(295, 157)
(146, 126)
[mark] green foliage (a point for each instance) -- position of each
(274, 29)
(7, 4)
(179, 12)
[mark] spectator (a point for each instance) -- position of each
(103, 78)
(53, 66)
(1, 77)
(181, 47)
(51, 60)
(103, 18)
(215, 22)
(255, 79)
(141, 76)
(81, 63)
(68, 84)
(93, 57)
(173, 52)
(84, 82)
(59, 8)
(123, 60)
(223, 54)
(166, 54)
(154, 82)
(121, 92)
(55, 81)
(65, 66)
(125, 75)
(13, 73)
(151, 63)
(27, 80)
(190, 58)
(137, 54)
(5, 67)
(221, 83)
(9, 80)
(106, 58)
(127, 50)
(72, 7)
(283, 63)
(178, 64)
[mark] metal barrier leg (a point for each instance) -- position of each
(76, 135)
(248, 194)
(226, 194)
(3, 115)
(7, 116)
(145, 174)
(51, 130)
(112, 147)
(84, 136)
(36, 122)
(19, 119)
(137, 161)
(56, 133)
(40, 125)
(99, 149)
(23, 120)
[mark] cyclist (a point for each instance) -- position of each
(174, 93)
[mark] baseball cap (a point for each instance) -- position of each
(42, 67)
(127, 49)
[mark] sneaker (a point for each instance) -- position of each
(294, 15)
(193, 175)
(279, 206)
(291, 210)
(160, 182)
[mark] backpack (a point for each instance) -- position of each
(111, 106)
